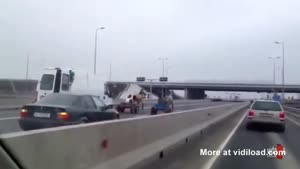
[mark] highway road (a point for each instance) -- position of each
(232, 135)
(9, 118)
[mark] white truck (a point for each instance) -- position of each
(57, 80)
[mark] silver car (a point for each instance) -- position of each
(266, 112)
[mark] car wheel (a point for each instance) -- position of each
(83, 120)
(153, 111)
(248, 126)
(120, 109)
(136, 110)
(282, 128)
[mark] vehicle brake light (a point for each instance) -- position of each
(282, 116)
(63, 116)
(23, 113)
(251, 114)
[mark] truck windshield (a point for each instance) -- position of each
(47, 82)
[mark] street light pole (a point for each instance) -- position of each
(167, 70)
(283, 80)
(95, 50)
(151, 80)
(110, 72)
(27, 66)
(163, 65)
(274, 68)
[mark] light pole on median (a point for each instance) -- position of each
(27, 66)
(167, 70)
(274, 68)
(151, 80)
(282, 45)
(95, 50)
(163, 59)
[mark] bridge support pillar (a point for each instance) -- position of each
(186, 93)
(194, 94)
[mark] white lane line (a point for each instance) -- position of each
(293, 114)
(293, 121)
(213, 159)
(9, 118)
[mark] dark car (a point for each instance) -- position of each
(64, 109)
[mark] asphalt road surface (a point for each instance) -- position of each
(9, 118)
(231, 134)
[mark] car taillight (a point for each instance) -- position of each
(251, 114)
(23, 113)
(281, 116)
(63, 116)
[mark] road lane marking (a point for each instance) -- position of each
(8, 118)
(293, 121)
(213, 159)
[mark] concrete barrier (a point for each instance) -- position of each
(110, 145)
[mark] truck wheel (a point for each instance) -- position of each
(131, 110)
(281, 129)
(119, 109)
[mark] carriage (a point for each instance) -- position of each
(133, 105)
(128, 107)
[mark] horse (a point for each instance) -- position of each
(139, 98)
(169, 100)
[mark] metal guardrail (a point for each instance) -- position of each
(14, 92)
(294, 109)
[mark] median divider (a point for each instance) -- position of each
(113, 144)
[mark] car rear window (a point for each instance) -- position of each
(270, 106)
(60, 99)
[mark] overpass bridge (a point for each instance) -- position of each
(195, 90)
(145, 141)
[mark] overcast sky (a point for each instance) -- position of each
(203, 39)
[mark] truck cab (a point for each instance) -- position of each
(53, 80)
(57, 80)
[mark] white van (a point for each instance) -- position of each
(57, 80)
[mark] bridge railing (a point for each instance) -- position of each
(14, 93)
